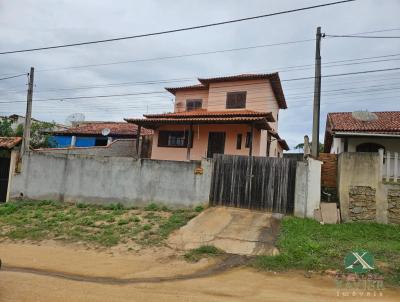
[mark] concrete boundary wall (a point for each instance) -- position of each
(119, 147)
(363, 194)
(102, 180)
(308, 188)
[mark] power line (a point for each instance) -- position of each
(294, 68)
(357, 36)
(175, 56)
(178, 29)
(15, 76)
(162, 92)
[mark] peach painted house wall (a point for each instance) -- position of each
(259, 97)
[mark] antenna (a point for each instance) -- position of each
(74, 119)
(105, 131)
(364, 116)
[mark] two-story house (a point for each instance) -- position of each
(235, 115)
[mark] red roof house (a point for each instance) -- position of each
(230, 115)
(362, 131)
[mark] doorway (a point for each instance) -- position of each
(4, 173)
(216, 143)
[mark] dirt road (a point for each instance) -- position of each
(239, 284)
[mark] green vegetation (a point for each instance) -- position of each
(201, 252)
(100, 225)
(306, 244)
(40, 132)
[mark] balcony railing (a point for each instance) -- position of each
(389, 165)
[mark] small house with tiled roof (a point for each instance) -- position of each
(362, 131)
(235, 115)
(89, 134)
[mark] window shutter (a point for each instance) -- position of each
(236, 100)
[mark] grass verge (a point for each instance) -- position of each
(306, 244)
(100, 225)
(202, 252)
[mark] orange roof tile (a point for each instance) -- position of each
(213, 114)
(9, 142)
(388, 121)
(259, 121)
(121, 129)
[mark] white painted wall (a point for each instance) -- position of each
(390, 144)
(308, 188)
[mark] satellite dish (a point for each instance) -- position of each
(364, 116)
(74, 118)
(105, 131)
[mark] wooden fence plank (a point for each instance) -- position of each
(259, 183)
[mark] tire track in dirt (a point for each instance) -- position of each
(230, 261)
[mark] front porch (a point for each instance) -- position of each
(201, 134)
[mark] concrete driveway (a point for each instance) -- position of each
(236, 231)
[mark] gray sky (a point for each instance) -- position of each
(36, 23)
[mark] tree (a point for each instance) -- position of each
(301, 146)
(41, 136)
(5, 128)
(40, 133)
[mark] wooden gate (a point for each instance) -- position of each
(4, 169)
(260, 183)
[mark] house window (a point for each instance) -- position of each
(177, 139)
(369, 147)
(193, 104)
(248, 140)
(100, 142)
(239, 141)
(236, 100)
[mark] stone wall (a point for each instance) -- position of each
(393, 198)
(363, 195)
(362, 203)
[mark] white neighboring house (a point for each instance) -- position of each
(362, 131)
(17, 120)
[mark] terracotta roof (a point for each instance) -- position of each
(283, 144)
(118, 129)
(272, 77)
(9, 142)
(388, 122)
(213, 114)
(259, 122)
(173, 90)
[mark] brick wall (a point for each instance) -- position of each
(328, 170)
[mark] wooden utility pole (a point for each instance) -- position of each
(28, 115)
(317, 95)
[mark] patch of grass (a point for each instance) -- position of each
(152, 207)
(199, 209)
(306, 244)
(99, 225)
(201, 252)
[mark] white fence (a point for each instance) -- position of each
(390, 165)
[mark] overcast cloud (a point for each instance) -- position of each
(36, 23)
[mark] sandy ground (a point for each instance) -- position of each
(239, 284)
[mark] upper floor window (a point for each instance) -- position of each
(236, 100)
(193, 104)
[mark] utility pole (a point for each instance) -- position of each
(317, 95)
(28, 115)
